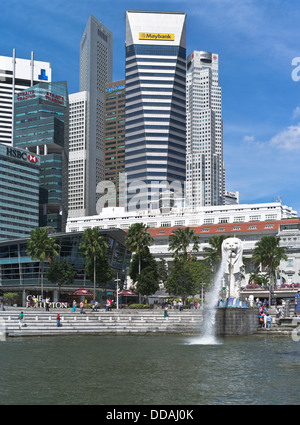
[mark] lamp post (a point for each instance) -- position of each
(117, 280)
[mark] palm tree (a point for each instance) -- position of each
(268, 253)
(213, 254)
(180, 240)
(93, 246)
(137, 239)
(42, 247)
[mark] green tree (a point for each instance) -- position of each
(94, 248)
(201, 275)
(41, 247)
(61, 272)
(268, 253)
(259, 278)
(180, 280)
(137, 239)
(162, 271)
(146, 259)
(213, 254)
(11, 297)
(147, 281)
(179, 242)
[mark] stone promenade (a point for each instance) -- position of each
(121, 322)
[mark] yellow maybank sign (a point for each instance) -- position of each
(156, 36)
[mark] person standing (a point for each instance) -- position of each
(297, 303)
(21, 319)
(174, 305)
(58, 320)
(81, 307)
(166, 313)
(74, 306)
(47, 302)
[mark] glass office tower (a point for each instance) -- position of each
(41, 127)
(16, 75)
(114, 132)
(155, 141)
(19, 184)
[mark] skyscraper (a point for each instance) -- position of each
(41, 127)
(205, 168)
(19, 183)
(155, 142)
(17, 75)
(78, 195)
(114, 129)
(96, 58)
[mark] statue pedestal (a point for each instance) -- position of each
(236, 321)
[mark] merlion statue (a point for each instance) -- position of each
(232, 249)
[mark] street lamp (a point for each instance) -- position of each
(117, 280)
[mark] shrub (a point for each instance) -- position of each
(140, 306)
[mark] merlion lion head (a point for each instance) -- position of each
(233, 250)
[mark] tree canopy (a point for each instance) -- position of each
(41, 247)
(179, 243)
(94, 248)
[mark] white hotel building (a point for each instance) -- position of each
(248, 222)
(17, 75)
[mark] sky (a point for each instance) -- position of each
(258, 42)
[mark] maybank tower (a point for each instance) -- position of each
(155, 135)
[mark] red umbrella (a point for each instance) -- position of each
(127, 293)
(83, 291)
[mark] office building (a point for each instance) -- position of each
(114, 145)
(20, 274)
(41, 127)
(19, 182)
(96, 59)
(78, 194)
(155, 141)
(17, 75)
(205, 168)
(231, 197)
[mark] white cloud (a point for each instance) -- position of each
(288, 139)
(248, 139)
(296, 113)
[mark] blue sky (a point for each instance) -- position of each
(257, 40)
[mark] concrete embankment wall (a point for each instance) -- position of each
(122, 322)
(236, 321)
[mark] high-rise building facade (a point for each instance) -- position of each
(155, 141)
(41, 127)
(19, 184)
(205, 168)
(17, 75)
(78, 194)
(96, 59)
(114, 134)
